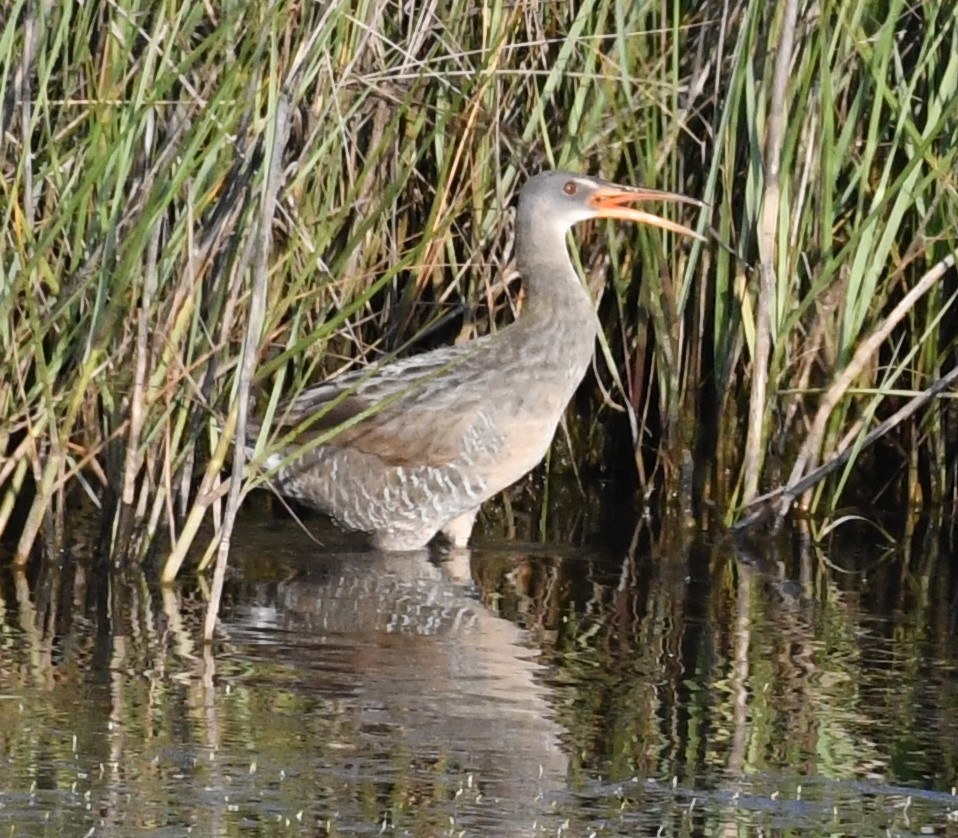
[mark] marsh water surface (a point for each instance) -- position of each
(676, 687)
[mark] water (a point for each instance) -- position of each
(675, 688)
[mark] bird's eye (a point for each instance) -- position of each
(569, 187)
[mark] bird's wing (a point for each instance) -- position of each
(405, 412)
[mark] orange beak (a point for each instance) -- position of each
(610, 201)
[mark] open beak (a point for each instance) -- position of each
(612, 201)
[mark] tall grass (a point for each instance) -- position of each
(141, 230)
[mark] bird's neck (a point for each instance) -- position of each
(555, 295)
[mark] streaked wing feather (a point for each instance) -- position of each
(416, 418)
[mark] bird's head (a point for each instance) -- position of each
(569, 198)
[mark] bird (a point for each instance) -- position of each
(409, 449)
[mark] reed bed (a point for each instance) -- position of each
(207, 205)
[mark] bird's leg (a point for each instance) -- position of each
(459, 529)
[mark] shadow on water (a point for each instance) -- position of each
(677, 687)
